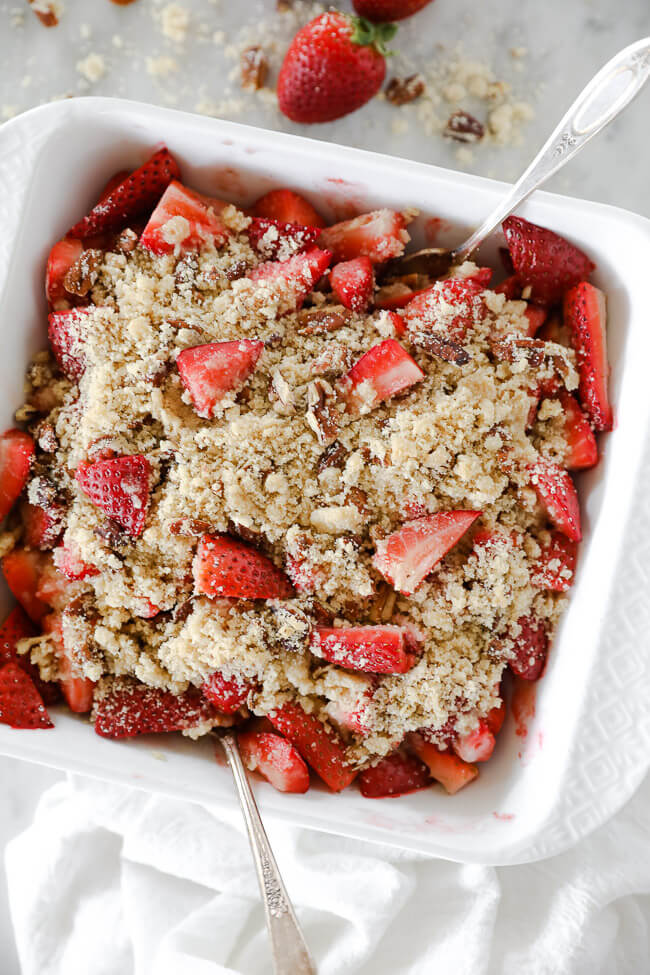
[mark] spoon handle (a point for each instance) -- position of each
(288, 947)
(606, 95)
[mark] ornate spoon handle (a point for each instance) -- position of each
(607, 94)
(288, 947)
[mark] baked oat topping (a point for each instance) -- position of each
(360, 514)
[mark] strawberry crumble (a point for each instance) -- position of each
(267, 478)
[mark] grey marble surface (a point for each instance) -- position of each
(565, 42)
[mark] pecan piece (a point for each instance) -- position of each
(45, 12)
(382, 609)
(322, 415)
(401, 91)
(46, 438)
(236, 270)
(292, 628)
(320, 322)
(190, 527)
(437, 344)
(254, 68)
(334, 456)
(126, 241)
(358, 498)
(83, 274)
(334, 360)
(463, 127)
(535, 352)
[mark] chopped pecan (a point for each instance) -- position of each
(292, 628)
(334, 456)
(401, 91)
(46, 438)
(382, 609)
(273, 341)
(535, 352)
(83, 274)
(280, 390)
(437, 344)
(247, 534)
(42, 491)
(358, 498)
(463, 127)
(126, 241)
(254, 68)
(45, 11)
(322, 415)
(320, 322)
(190, 527)
(113, 534)
(236, 270)
(334, 360)
(181, 611)
(186, 270)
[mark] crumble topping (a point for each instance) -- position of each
(282, 464)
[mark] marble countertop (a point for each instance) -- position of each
(545, 51)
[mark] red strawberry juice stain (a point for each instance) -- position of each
(432, 228)
(504, 817)
(522, 706)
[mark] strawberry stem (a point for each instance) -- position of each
(367, 34)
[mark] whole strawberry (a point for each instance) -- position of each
(383, 10)
(334, 65)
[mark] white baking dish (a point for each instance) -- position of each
(588, 744)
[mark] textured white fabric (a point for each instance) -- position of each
(109, 881)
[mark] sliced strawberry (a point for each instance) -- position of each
(556, 565)
(22, 570)
(129, 708)
(224, 566)
(21, 706)
(481, 277)
(530, 648)
(385, 370)
(66, 331)
(208, 372)
(53, 588)
(379, 235)
(353, 283)
(372, 649)
(451, 306)
(356, 717)
(582, 450)
(274, 240)
(67, 561)
(228, 694)
(285, 206)
(320, 746)
(536, 317)
(493, 538)
(556, 492)
(300, 273)
(16, 452)
(112, 184)
(137, 194)
(585, 316)
(510, 287)
(407, 556)
(476, 745)
(396, 775)
(121, 487)
(275, 758)
(445, 767)
(78, 691)
(194, 222)
(495, 717)
(61, 258)
(18, 626)
(543, 260)
(42, 527)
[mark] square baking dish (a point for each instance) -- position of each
(586, 746)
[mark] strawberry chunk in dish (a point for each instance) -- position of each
(268, 481)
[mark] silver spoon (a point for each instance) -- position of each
(288, 946)
(603, 99)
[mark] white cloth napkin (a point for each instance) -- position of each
(110, 881)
